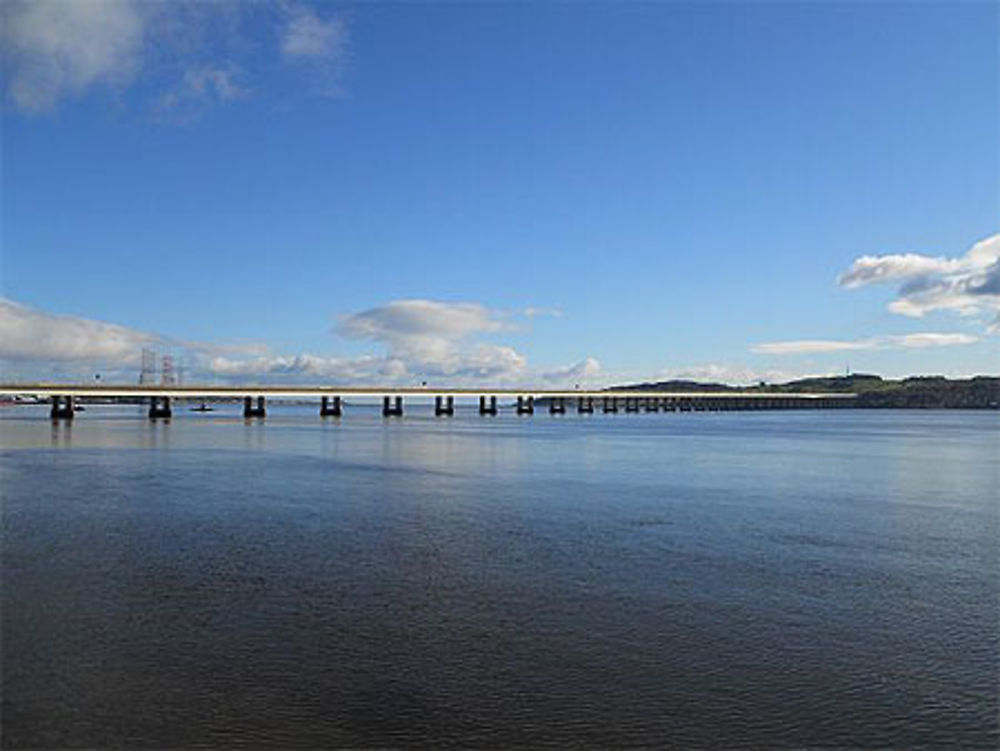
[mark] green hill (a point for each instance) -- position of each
(915, 392)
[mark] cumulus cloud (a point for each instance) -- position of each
(30, 335)
(891, 268)
(38, 342)
(584, 370)
(904, 341)
(421, 340)
(437, 338)
(195, 53)
(968, 285)
(54, 49)
(306, 366)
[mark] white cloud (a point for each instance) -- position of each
(585, 370)
(919, 341)
(403, 320)
(533, 312)
(201, 87)
(435, 339)
(54, 49)
(905, 341)
(38, 342)
(194, 53)
(809, 346)
(733, 375)
(891, 268)
(316, 44)
(969, 285)
(29, 335)
(441, 343)
(306, 35)
(422, 340)
(306, 366)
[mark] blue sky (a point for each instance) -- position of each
(523, 192)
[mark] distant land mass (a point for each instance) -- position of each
(915, 392)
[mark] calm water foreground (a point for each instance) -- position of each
(779, 579)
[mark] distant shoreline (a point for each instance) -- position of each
(874, 392)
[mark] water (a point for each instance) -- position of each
(721, 579)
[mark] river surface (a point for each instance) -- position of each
(746, 579)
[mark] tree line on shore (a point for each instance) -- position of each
(915, 392)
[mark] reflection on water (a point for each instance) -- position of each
(741, 579)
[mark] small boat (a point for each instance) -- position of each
(79, 408)
(202, 408)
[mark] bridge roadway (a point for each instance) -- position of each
(332, 398)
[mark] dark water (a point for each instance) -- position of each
(779, 579)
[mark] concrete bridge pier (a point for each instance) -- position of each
(331, 406)
(488, 408)
(610, 404)
(585, 406)
(62, 410)
(249, 410)
(557, 406)
(525, 405)
(392, 406)
(159, 406)
(444, 406)
(652, 404)
(631, 404)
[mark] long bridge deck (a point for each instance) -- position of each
(291, 392)
(332, 398)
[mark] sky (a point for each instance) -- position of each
(548, 194)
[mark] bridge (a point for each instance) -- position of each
(332, 399)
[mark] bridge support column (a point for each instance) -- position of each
(488, 408)
(631, 404)
(585, 406)
(652, 404)
(610, 404)
(525, 405)
(62, 410)
(557, 406)
(249, 410)
(392, 406)
(444, 406)
(159, 406)
(331, 406)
